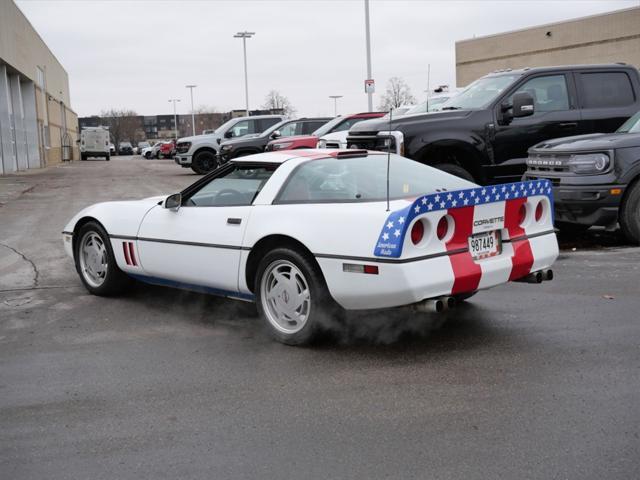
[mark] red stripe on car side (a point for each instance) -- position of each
(132, 254)
(466, 272)
(522, 259)
(125, 248)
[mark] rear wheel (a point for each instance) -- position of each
(456, 170)
(147, 155)
(83, 156)
(107, 157)
(96, 263)
(629, 215)
(204, 162)
(292, 297)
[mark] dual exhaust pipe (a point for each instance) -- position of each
(538, 277)
(441, 304)
(435, 305)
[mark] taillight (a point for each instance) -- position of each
(522, 214)
(417, 232)
(539, 211)
(443, 228)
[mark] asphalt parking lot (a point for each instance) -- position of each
(523, 382)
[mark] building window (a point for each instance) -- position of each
(40, 77)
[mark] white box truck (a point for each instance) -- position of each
(94, 142)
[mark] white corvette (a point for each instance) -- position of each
(305, 233)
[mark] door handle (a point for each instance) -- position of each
(568, 125)
(234, 221)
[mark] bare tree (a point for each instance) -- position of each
(398, 93)
(206, 109)
(276, 101)
(123, 124)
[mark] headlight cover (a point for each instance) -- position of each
(589, 163)
(227, 148)
(282, 146)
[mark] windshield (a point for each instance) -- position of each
(632, 125)
(275, 127)
(363, 179)
(480, 93)
(327, 127)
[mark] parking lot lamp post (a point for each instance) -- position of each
(175, 116)
(368, 35)
(193, 117)
(244, 36)
(335, 104)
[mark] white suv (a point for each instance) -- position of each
(200, 152)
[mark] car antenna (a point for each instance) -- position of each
(389, 155)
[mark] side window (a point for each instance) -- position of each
(266, 123)
(242, 128)
(549, 93)
(309, 127)
(290, 129)
(606, 89)
(238, 186)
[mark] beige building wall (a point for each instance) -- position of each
(608, 38)
(24, 54)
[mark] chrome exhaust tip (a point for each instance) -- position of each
(547, 274)
(433, 305)
(534, 277)
(449, 302)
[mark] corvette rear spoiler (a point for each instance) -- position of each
(460, 204)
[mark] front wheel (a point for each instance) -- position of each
(107, 158)
(204, 162)
(292, 297)
(629, 215)
(95, 262)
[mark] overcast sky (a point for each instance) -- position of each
(138, 54)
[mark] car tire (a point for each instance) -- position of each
(204, 162)
(290, 315)
(107, 157)
(96, 263)
(455, 170)
(83, 157)
(629, 216)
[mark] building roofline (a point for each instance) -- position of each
(42, 40)
(542, 25)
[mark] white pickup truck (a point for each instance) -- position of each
(200, 152)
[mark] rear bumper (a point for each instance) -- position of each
(400, 283)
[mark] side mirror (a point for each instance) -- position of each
(173, 202)
(523, 105)
(276, 134)
(228, 134)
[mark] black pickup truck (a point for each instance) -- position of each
(483, 133)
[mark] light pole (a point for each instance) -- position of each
(244, 36)
(335, 104)
(193, 117)
(175, 116)
(368, 35)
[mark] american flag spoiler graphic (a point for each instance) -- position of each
(463, 207)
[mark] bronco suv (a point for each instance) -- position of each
(199, 152)
(483, 133)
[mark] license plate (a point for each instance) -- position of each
(485, 244)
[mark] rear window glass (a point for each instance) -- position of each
(363, 179)
(606, 89)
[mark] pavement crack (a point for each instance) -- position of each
(36, 273)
